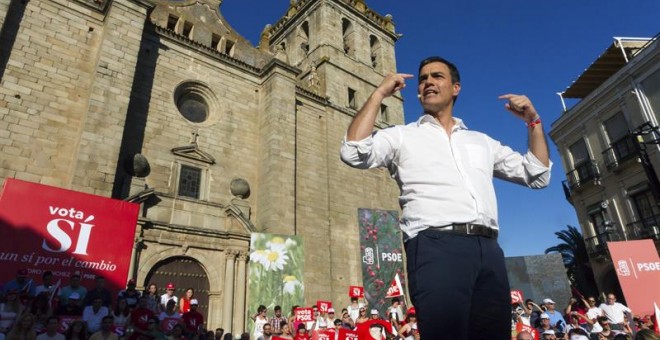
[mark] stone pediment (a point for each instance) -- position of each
(202, 22)
(193, 152)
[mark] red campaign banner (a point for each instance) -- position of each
(347, 334)
(395, 288)
(356, 291)
(303, 314)
(638, 268)
(65, 322)
(323, 306)
(522, 327)
(323, 334)
(64, 231)
(516, 296)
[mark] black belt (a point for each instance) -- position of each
(467, 229)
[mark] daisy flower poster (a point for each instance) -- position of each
(275, 273)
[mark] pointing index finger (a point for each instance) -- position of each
(406, 75)
(506, 96)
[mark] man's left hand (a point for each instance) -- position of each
(520, 106)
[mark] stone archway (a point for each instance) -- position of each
(184, 272)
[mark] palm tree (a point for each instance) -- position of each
(576, 260)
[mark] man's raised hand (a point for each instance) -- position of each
(392, 83)
(520, 106)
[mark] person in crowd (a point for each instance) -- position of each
(260, 319)
(121, 314)
(301, 332)
(71, 307)
(47, 284)
(645, 322)
(193, 319)
(169, 318)
(647, 334)
(184, 301)
(52, 324)
(153, 300)
(615, 312)
(575, 305)
(105, 330)
(285, 331)
(73, 287)
(524, 335)
(23, 329)
(42, 309)
(168, 296)
(99, 290)
(347, 321)
(548, 334)
(228, 336)
(545, 324)
(556, 318)
(319, 321)
(395, 311)
(577, 334)
(574, 322)
(178, 333)
(130, 294)
(593, 312)
(267, 332)
(354, 308)
(10, 310)
(77, 330)
(218, 333)
(362, 317)
(140, 317)
(276, 320)
(607, 332)
(410, 323)
(330, 317)
(152, 332)
(534, 312)
(24, 286)
(292, 317)
(93, 314)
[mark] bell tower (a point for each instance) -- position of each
(342, 47)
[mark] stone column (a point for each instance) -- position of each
(228, 292)
(239, 300)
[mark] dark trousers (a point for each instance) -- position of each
(459, 286)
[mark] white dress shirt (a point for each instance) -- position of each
(444, 180)
(615, 313)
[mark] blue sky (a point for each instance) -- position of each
(536, 48)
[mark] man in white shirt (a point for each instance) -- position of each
(354, 308)
(94, 314)
(615, 312)
(445, 175)
(169, 295)
(52, 323)
(592, 314)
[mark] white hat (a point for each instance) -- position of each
(548, 301)
(545, 316)
(331, 310)
(548, 332)
(374, 311)
(194, 302)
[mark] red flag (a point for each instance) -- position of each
(395, 288)
(516, 296)
(323, 306)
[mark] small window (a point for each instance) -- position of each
(190, 179)
(215, 41)
(384, 115)
(193, 107)
(171, 22)
(187, 28)
(352, 103)
(229, 48)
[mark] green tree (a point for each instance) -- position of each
(576, 260)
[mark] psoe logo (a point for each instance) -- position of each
(622, 268)
(65, 224)
(368, 257)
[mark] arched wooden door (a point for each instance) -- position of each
(184, 273)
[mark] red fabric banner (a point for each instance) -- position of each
(303, 314)
(347, 334)
(323, 334)
(516, 296)
(64, 231)
(638, 268)
(323, 306)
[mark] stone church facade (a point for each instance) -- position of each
(163, 103)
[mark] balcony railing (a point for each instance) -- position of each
(620, 151)
(597, 245)
(644, 228)
(585, 172)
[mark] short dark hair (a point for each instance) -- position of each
(46, 274)
(277, 308)
(453, 70)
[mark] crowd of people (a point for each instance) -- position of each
(50, 311)
(583, 319)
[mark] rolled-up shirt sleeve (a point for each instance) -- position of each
(377, 150)
(522, 169)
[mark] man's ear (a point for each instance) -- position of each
(457, 88)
